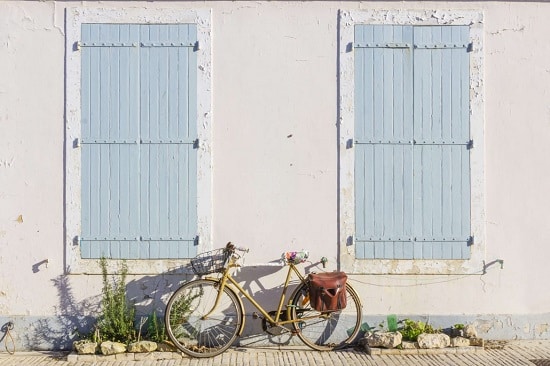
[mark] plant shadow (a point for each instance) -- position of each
(72, 320)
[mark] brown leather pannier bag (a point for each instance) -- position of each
(327, 291)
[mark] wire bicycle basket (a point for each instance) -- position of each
(210, 262)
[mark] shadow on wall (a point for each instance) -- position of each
(150, 295)
(75, 319)
(72, 320)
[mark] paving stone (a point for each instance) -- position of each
(512, 353)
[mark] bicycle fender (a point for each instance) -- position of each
(239, 300)
(241, 328)
(241, 305)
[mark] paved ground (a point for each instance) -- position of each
(514, 353)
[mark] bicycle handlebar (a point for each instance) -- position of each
(232, 247)
(295, 257)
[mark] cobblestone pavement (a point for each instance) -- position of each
(527, 353)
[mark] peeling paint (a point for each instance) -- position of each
(504, 30)
(7, 163)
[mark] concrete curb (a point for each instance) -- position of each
(420, 351)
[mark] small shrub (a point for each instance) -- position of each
(156, 331)
(116, 321)
(412, 329)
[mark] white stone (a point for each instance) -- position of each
(438, 340)
(470, 331)
(460, 342)
(85, 347)
(409, 345)
(384, 339)
(142, 346)
(112, 348)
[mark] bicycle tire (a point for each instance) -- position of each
(328, 330)
(185, 323)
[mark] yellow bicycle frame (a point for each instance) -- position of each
(226, 277)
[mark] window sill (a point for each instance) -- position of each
(351, 265)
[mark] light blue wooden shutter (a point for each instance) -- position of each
(383, 134)
(412, 177)
(442, 133)
(138, 131)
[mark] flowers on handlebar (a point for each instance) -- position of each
(295, 257)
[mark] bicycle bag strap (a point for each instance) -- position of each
(327, 291)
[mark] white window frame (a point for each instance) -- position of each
(348, 262)
(75, 17)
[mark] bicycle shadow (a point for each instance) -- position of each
(151, 293)
(265, 284)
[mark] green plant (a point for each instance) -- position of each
(412, 329)
(156, 331)
(116, 321)
(458, 326)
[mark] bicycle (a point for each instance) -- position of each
(205, 316)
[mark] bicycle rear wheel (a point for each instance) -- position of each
(327, 330)
(192, 332)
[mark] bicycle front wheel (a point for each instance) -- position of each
(325, 331)
(197, 325)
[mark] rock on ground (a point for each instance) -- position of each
(438, 340)
(142, 346)
(112, 348)
(460, 342)
(470, 331)
(85, 347)
(383, 339)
